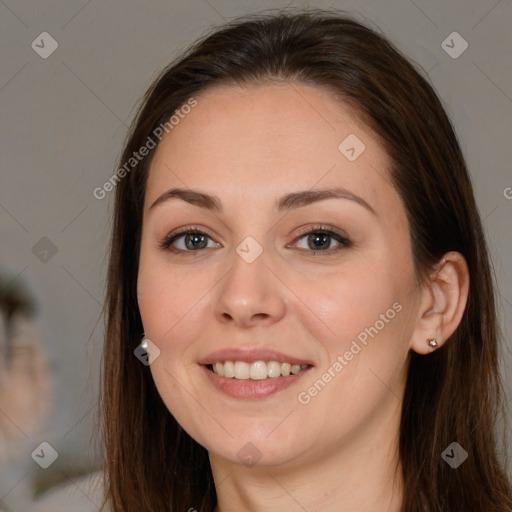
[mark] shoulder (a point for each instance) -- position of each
(84, 494)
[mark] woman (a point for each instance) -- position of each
(297, 246)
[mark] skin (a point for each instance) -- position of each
(250, 146)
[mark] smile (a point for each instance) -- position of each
(252, 374)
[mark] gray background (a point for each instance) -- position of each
(65, 118)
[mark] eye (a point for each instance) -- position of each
(189, 240)
(320, 239)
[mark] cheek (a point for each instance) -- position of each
(351, 300)
(175, 306)
(366, 311)
(365, 351)
(163, 297)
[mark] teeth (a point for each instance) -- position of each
(273, 369)
(229, 369)
(258, 370)
(241, 370)
(285, 369)
(219, 369)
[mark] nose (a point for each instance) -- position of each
(250, 294)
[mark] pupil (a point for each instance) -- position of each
(195, 239)
(316, 237)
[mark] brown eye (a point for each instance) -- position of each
(319, 241)
(195, 241)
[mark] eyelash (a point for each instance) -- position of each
(343, 241)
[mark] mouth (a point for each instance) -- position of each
(253, 374)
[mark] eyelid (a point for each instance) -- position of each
(304, 230)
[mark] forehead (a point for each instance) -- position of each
(270, 139)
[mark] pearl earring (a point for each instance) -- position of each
(432, 342)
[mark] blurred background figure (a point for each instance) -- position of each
(24, 380)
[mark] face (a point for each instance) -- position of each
(273, 278)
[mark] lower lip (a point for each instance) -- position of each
(249, 389)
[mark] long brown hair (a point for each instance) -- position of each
(453, 394)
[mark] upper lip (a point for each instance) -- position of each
(250, 356)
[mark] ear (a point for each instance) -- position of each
(442, 303)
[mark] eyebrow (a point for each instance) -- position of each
(290, 201)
